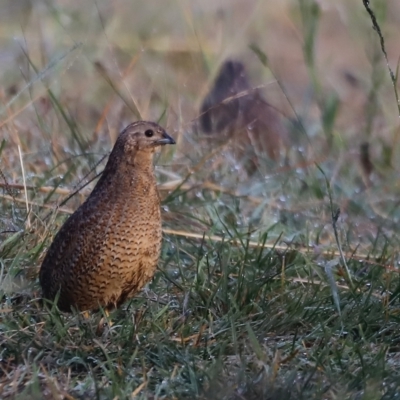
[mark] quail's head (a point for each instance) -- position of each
(138, 141)
(138, 138)
(231, 79)
(143, 136)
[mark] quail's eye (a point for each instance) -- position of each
(149, 133)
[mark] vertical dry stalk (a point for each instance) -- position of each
(28, 222)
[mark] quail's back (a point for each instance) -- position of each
(109, 248)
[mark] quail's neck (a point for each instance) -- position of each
(144, 160)
(141, 167)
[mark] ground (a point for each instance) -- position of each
(255, 296)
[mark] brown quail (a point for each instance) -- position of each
(109, 247)
(237, 112)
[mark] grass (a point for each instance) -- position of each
(251, 299)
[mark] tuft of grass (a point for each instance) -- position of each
(262, 291)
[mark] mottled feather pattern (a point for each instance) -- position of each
(109, 248)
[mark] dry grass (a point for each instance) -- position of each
(251, 300)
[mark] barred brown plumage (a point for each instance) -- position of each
(109, 247)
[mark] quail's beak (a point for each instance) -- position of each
(166, 139)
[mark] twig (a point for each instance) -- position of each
(43, 189)
(50, 207)
(25, 191)
(335, 216)
(40, 75)
(81, 187)
(382, 42)
(252, 244)
(7, 185)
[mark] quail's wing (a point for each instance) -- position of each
(85, 230)
(62, 247)
(205, 116)
(73, 245)
(217, 113)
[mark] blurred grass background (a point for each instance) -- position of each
(252, 299)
